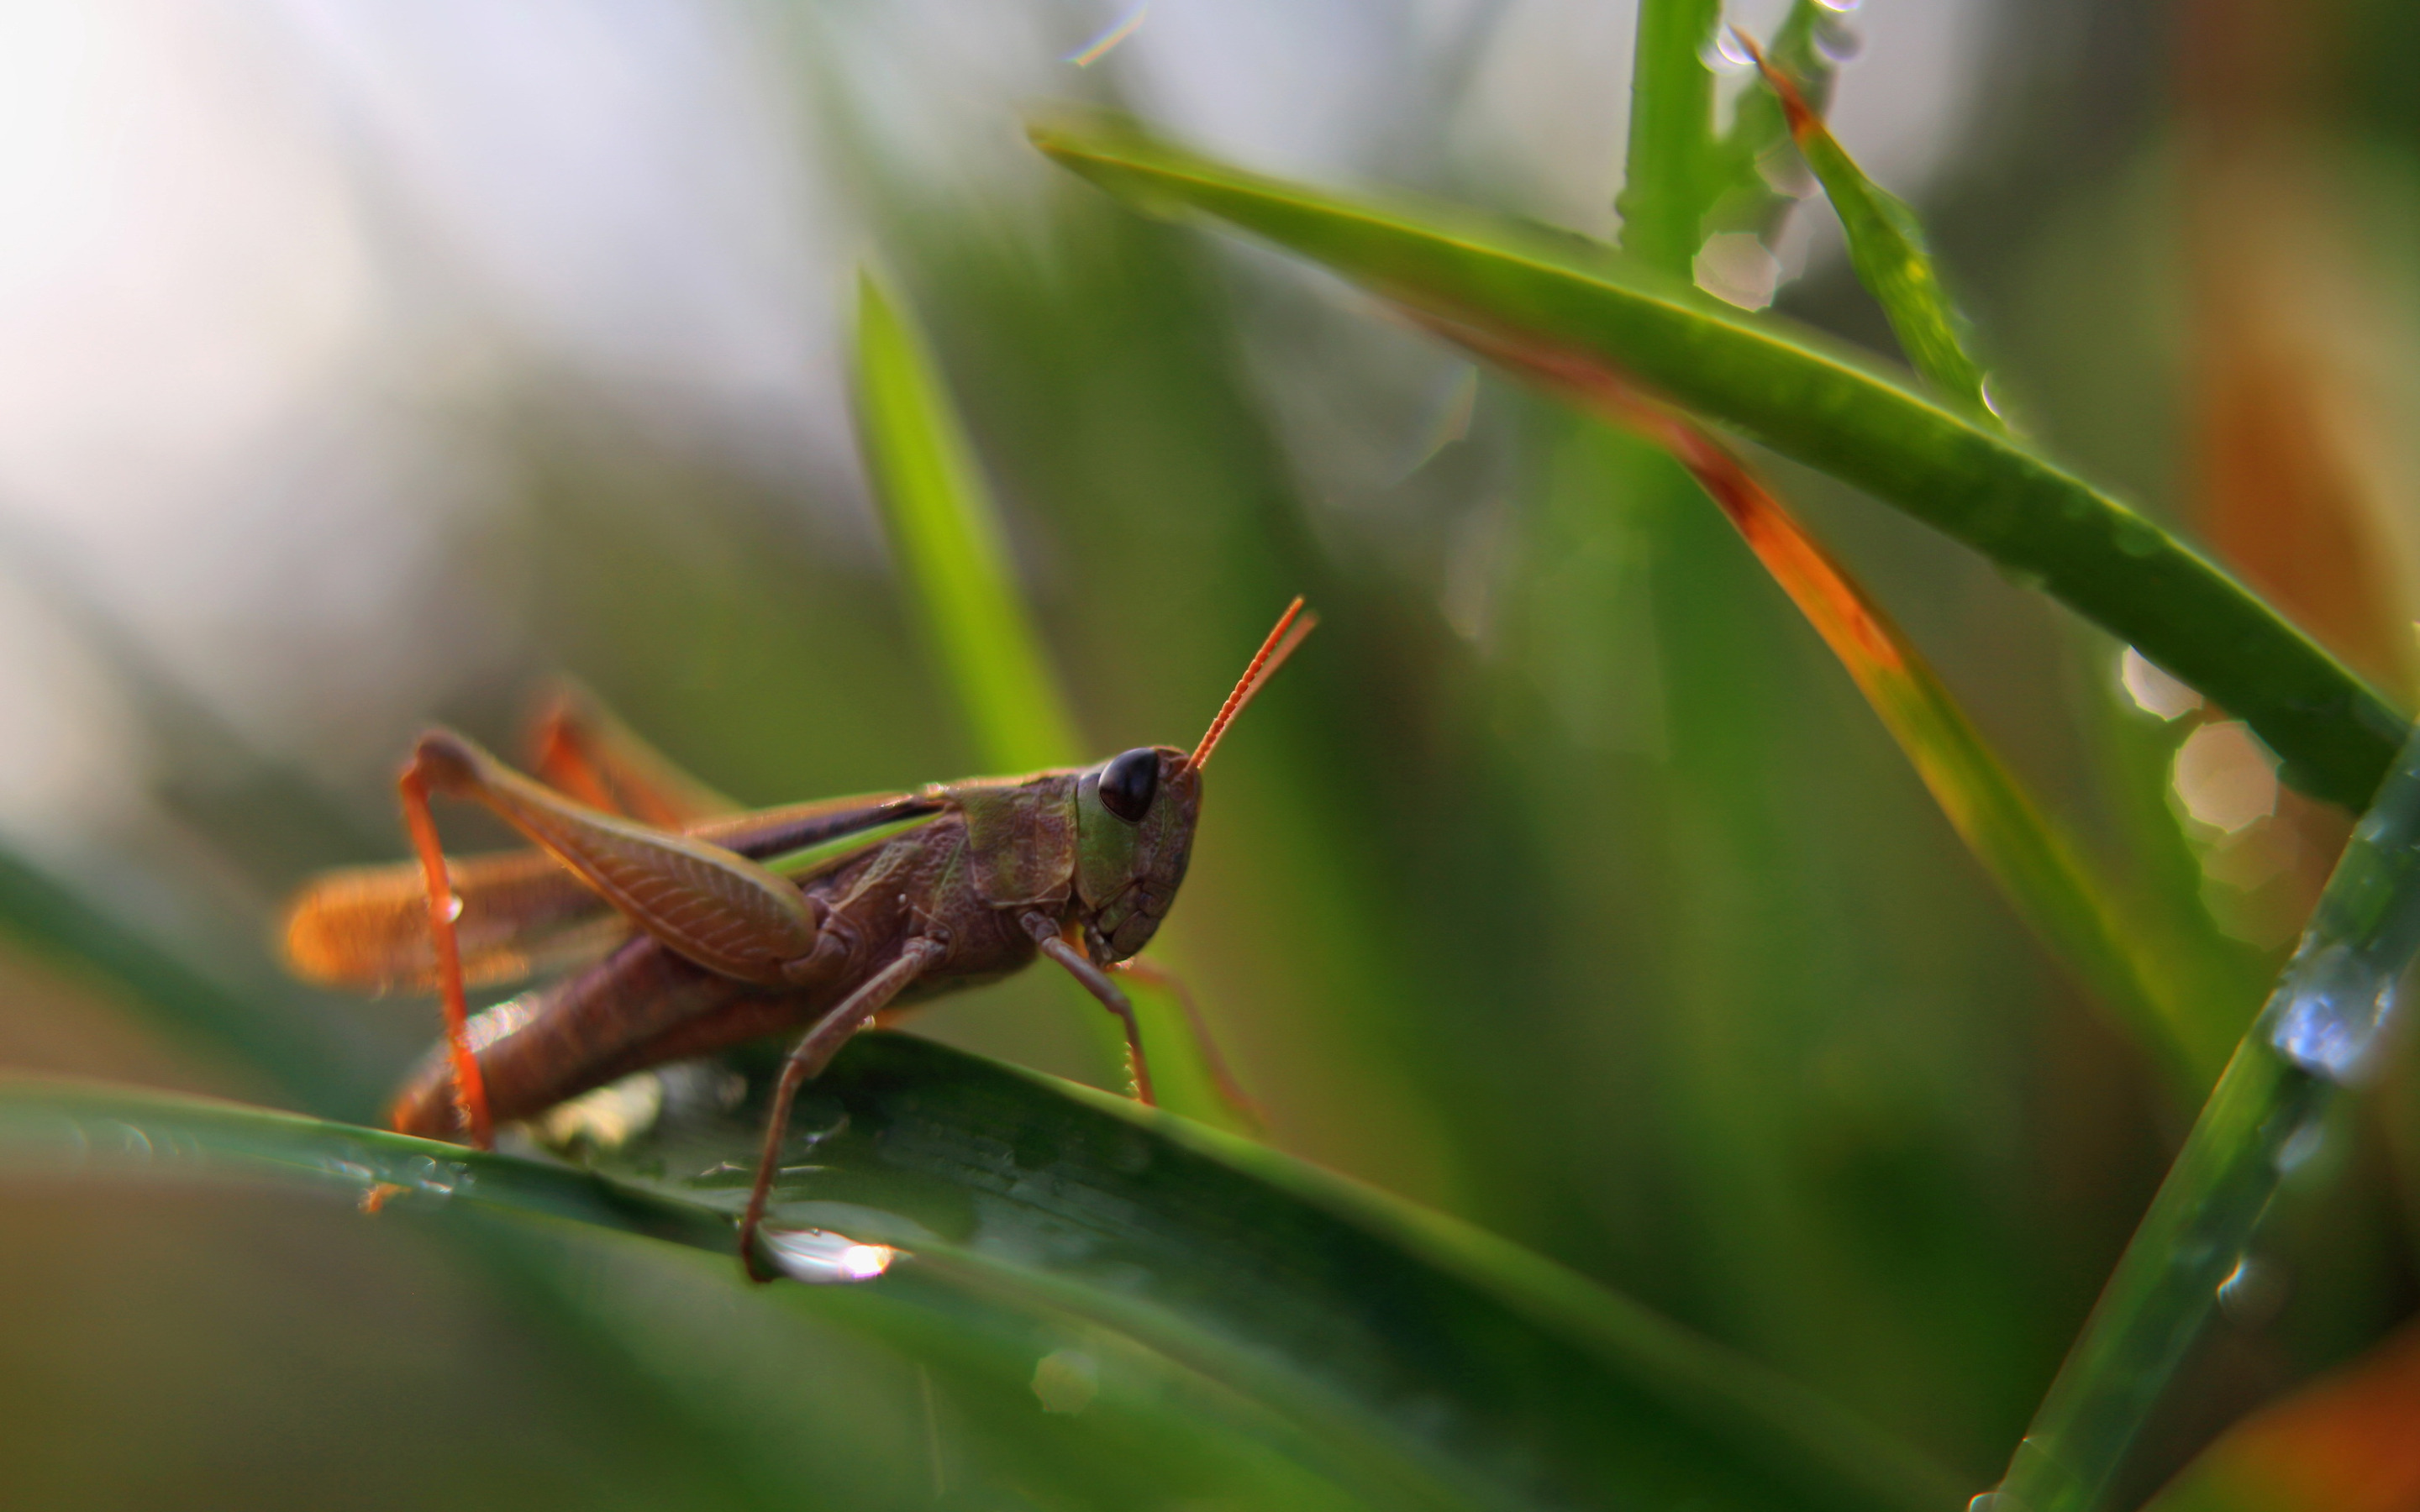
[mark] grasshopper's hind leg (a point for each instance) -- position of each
(469, 1092)
(715, 907)
(578, 747)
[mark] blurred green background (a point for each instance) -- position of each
(370, 369)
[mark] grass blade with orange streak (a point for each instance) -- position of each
(2041, 870)
(1812, 399)
(1887, 248)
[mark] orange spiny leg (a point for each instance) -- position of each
(580, 748)
(470, 1092)
(1046, 933)
(814, 1053)
(1230, 1090)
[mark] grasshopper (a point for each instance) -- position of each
(695, 928)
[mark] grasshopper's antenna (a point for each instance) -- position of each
(1273, 653)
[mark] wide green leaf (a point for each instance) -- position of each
(1352, 1341)
(1808, 397)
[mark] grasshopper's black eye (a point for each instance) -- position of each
(1128, 782)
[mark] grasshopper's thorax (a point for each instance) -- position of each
(1104, 846)
(1134, 825)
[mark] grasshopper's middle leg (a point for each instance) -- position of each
(717, 908)
(814, 1053)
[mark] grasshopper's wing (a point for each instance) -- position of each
(524, 914)
(367, 928)
(804, 839)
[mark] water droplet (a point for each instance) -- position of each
(1066, 1381)
(2153, 690)
(1724, 54)
(454, 908)
(1738, 269)
(2138, 537)
(132, 1141)
(606, 1119)
(2253, 1292)
(1839, 8)
(2224, 777)
(822, 1257)
(2330, 1021)
(2301, 1146)
(440, 1177)
(1839, 43)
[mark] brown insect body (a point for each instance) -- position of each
(995, 852)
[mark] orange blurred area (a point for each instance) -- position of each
(2347, 1442)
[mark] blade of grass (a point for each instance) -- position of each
(1887, 247)
(1746, 196)
(49, 918)
(2267, 1116)
(1811, 399)
(1409, 1358)
(2037, 867)
(953, 549)
(1666, 182)
(963, 585)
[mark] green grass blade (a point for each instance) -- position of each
(2038, 867)
(1671, 154)
(1374, 1346)
(1746, 199)
(1809, 399)
(47, 917)
(953, 549)
(2267, 1116)
(1887, 248)
(963, 585)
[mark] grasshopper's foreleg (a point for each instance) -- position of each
(814, 1052)
(1230, 1090)
(1046, 933)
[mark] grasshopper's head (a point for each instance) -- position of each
(1135, 814)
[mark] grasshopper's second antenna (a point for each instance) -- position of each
(1291, 627)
